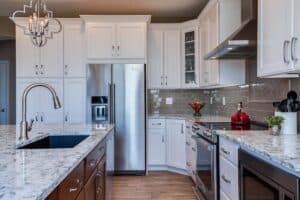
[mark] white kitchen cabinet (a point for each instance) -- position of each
(40, 106)
(164, 56)
(274, 49)
(157, 147)
(74, 100)
(212, 31)
(100, 40)
(115, 38)
(73, 51)
(46, 61)
(155, 59)
(190, 62)
(131, 40)
(49, 115)
(176, 139)
(27, 56)
(278, 53)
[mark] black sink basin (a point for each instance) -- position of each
(56, 141)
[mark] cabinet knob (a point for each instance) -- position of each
(225, 179)
(225, 151)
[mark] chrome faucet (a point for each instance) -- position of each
(24, 126)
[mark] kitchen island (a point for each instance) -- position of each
(29, 174)
(282, 151)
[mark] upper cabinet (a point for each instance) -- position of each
(73, 52)
(190, 48)
(164, 53)
(217, 21)
(121, 38)
(42, 62)
(278, 33)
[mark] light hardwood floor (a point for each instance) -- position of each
(155, 186)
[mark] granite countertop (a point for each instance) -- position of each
(204, 118)
(34, 173)
(283, 150)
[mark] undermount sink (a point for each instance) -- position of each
(56, 141)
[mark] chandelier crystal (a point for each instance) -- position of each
(40, 25)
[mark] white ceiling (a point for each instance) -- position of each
(161, 10)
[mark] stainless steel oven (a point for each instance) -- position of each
(207, 164)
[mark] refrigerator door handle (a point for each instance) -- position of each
(110, 102)
(114, 103)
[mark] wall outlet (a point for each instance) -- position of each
(224, 101)
(169, 100)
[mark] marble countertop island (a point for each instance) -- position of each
(283, 151)
(29, 174)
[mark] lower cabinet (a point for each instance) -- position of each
(82, 185)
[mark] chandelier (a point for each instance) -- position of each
(40, 25)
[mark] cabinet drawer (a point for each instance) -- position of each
(229, 150)
(93, 158)
(157, 123)
(72, 185)
(229, 178)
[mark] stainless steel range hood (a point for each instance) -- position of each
(243, 42)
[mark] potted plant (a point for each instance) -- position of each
(274, 123)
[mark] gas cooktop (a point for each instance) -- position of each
(229, 126)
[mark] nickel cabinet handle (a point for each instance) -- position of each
(193, 149)
(166, 77)
(163, 139)
(225, 151)
(285, 47)
(36, 70)
(42, 70)
(66, 69)
(156, 124)
(182, 128)
(188, 164)
(293, 49)
(225, 179)
(73, 189)
(187, 143)
(161, 80)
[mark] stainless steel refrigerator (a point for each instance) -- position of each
(122, 88)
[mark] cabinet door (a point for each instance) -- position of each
(100, 180)
(100, 41)
(157, 147)
(155, 59)
(296, 39)
(190, 69)
(213, 41)
(172, 54)
(51, 57)
(131, 40)
(274, 34)
(33, 101)
(74, 100)
(49, 115)
(176, 144)
(203, 37)
(26, 56)
(73, 50)
(90, 187)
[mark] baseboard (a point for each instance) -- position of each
(167, 168)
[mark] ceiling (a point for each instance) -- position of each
(161, 10)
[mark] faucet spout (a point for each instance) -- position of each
(24, 126)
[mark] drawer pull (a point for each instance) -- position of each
(193, 149)
(92, 163)
(225, 152)
(225, 179)
(187, 143)
(188, 127)
(73, 189)
(101, 149)
(156, 124)
(188, 164)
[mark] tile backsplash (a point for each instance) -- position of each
(257, 96)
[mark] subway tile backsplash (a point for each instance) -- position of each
(257, 96)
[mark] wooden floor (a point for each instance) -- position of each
(155, 186)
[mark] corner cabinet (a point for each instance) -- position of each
(164, 56)
(190, 63)
(120, 38)
(278, 53)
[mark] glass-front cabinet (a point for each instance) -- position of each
(190, 69)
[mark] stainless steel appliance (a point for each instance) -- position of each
(260, 180)
(124, 85)
(207, 183)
